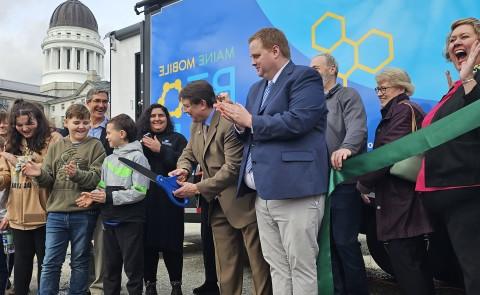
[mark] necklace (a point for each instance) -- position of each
(476, 68)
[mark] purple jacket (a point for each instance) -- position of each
(399, 211)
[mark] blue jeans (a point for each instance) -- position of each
(76, 228)
(348, 268)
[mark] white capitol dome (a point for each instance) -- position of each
(71, 49)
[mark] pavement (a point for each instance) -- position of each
(193, 275)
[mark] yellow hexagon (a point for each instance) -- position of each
(390, 50)
(167, 86)
(355, 44)
(327, 15)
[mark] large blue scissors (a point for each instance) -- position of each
(168, 184)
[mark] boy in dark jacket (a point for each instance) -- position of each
(122, 191)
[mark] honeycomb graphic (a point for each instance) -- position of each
(167, 86)
(373, 35)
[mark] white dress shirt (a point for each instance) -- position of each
(248, 176)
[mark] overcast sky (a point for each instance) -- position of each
(24, 24)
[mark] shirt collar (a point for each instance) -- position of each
(333, 90)
(208, 121)
(103, 124)
(275, 78)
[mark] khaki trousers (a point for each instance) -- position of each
(229, 248)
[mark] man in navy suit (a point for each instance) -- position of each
(285, 160)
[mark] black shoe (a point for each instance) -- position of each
(151, 288)
(176, 288)
(207, 289)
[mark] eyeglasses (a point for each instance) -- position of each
(100, 101)
(382, 89)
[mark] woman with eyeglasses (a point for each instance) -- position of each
(402, 223)
(164, 226)
(449, 180)
(29, 136)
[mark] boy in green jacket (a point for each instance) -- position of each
(72, 166)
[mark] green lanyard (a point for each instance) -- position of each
(460, 122)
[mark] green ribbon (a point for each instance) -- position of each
(460, 122)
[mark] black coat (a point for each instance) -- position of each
(164, 226)
(399, 211)
(456, 162)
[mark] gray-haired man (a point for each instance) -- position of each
(97, 102)
(346, 136)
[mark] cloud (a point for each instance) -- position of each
(23, 55)
(24, 24)
(9, 8)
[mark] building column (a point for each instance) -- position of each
(94, 61)
(63, 58)
(84, 60)
(73, 59)
(50, 59)
(101, 66)
(45, 60)
(90, 61)
(55, 61)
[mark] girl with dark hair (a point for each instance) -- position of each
(28, 138)
(164, 227)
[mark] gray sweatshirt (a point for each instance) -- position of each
(115, 173)
(346, 120)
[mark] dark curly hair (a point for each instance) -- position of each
(143, 123)
(14, 139)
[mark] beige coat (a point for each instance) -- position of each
(27, 202)
(220, 159)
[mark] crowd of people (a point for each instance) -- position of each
(262, 172)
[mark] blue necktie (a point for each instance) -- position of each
(264, 99)
(266, 93)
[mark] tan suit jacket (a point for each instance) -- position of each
(219, 157)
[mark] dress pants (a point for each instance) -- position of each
(229, 243)
(208, 247)
(458, 210)
(410, 265)
(348, 267)
(288, 233)
(96, 259)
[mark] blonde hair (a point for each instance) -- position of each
(472, 21)
(271, 37)
(397, 78)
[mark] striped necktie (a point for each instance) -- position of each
(249, 165)
(266, 93)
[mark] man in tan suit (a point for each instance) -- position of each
(215, 147)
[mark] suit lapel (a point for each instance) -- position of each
(258, 100)
(212, 130)
(197, 137)
(279, 84)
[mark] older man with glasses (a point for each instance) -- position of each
(97, 102)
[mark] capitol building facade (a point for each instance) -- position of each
(73, 63)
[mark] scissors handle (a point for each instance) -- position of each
(178, 203)
(171, 182)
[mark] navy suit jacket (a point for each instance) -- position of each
(288, 147)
